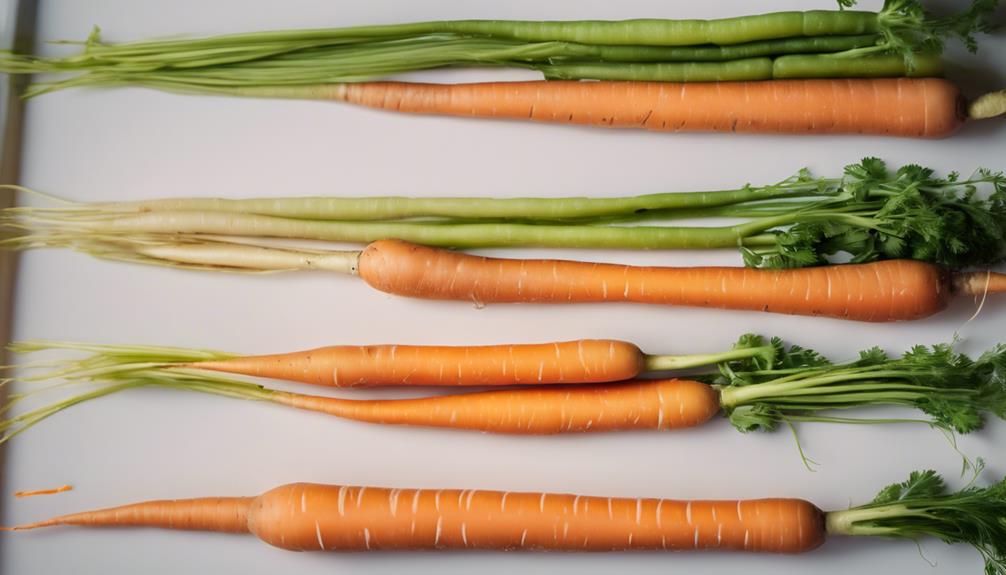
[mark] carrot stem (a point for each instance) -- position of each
(674, 362)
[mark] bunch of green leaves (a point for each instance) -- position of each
(798, 384)
(922, 506)
(910, 213)
(908, 28)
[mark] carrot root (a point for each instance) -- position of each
(979, 283)
(310, 517)
(913, 107)
(646, 404)
(891, 290)
(579, 361)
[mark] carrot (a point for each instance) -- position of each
(888, 290)
(891, 290)
(313, 517)
(580, 361)
(645, 404)
(757, 384)
(926, 107)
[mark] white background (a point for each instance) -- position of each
(134, 143)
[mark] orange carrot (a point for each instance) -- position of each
(756, 387)
(581, 361)
(35, 492)
(311, 517)
(646, 404)
(917, 107)
(891, 290)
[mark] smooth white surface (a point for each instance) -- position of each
(132, 143)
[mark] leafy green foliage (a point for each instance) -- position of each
(920, 484)
(908, 28)
(797, 384)
(922, 506)
(909, 213)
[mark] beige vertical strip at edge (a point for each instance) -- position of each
(17, 31)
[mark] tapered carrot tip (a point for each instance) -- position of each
(222, 514)
(979, 283)
(36, 525)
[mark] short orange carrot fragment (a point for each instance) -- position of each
(53, 491)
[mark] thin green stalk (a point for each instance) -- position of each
(675, 362)
(746, 70)
(783, 67)
(431, 234)
(402, 207)
(874, 66)
(242, 63)
(953, 390)
(871, 213)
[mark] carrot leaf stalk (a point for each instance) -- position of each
(951, 388)
(739, 48)
(870, 213)
(922, 506)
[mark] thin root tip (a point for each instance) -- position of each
(988, 106)
(18, 527)
(979, 283)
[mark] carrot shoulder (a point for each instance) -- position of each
(917, 107)
(883, 291)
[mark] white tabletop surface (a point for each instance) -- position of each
(135, 143)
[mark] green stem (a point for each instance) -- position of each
(734, 396)
(848, 522)
(431, 234)
(401, 207)
(674, 362)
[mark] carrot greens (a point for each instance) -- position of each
(869, 213)
(271, 63)
(801, 385)
(922, 506)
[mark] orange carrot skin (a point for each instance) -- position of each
(649, 404)
(892, 290)
(915, 107)
(222, 514)
(308, 517)
(581, 361)
(312, 517)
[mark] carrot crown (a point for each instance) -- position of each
(922, 506)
